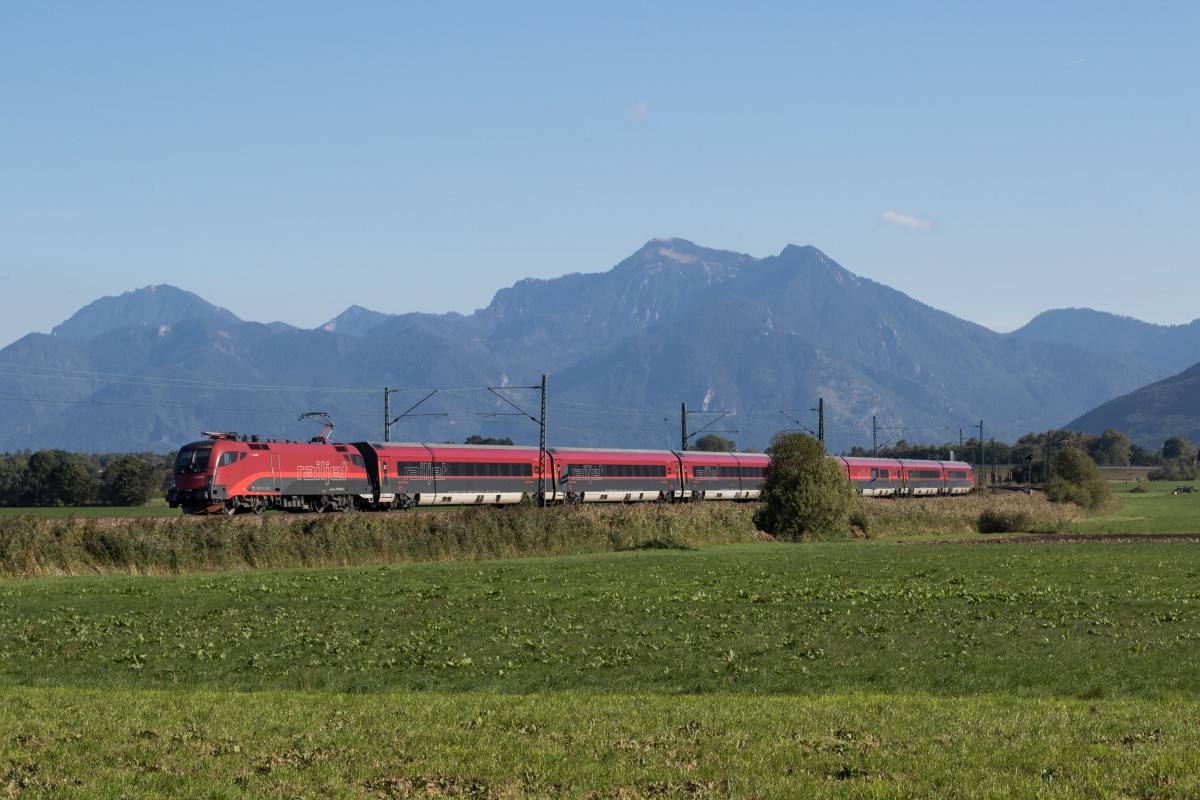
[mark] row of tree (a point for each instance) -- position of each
(1176, 458)
(59, 478)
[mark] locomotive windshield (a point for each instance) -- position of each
(193, 458)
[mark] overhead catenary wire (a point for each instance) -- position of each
(570, 415)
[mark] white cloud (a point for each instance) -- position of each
(908, 221)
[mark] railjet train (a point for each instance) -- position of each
(229, 474)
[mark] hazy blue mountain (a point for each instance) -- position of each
(1171, 346)
(1152, 414)
(1084, 327)
(794, 327)
(164, 387)
(355, 321)
(673, 323)
(1177, 348)
(150, 307)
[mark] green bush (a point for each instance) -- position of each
(1174, 470)
(1005, 520)
(1077, 480)
(805, 494)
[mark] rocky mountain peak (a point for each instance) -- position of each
(150, 306)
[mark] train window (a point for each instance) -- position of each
(227, 459)
(192, 460)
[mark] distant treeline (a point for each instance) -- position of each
(1028, 458)
(60, 478)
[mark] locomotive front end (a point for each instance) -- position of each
(194, 486)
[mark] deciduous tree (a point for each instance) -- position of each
(715, 444)
(1077, 480)
(130, 481)
(805, 494)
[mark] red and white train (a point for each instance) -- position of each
(230, 474)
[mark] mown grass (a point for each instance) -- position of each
(69, 743)
(155, 508)
(1147, 507)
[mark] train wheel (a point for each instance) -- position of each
(229, 509)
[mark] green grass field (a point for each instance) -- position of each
(947, 665)
(155, 508)
(1152, 508)
(840, 669)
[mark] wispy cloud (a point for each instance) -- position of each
(1076, 61)
(908, 221)
(639, 112)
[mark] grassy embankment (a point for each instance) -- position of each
(152, 545)
(864, 669)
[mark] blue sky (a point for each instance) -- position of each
(288, 160)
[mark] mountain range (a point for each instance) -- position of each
(748, 344)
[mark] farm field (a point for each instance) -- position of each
(155, 508)
(1148, 507)
(862, 669)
